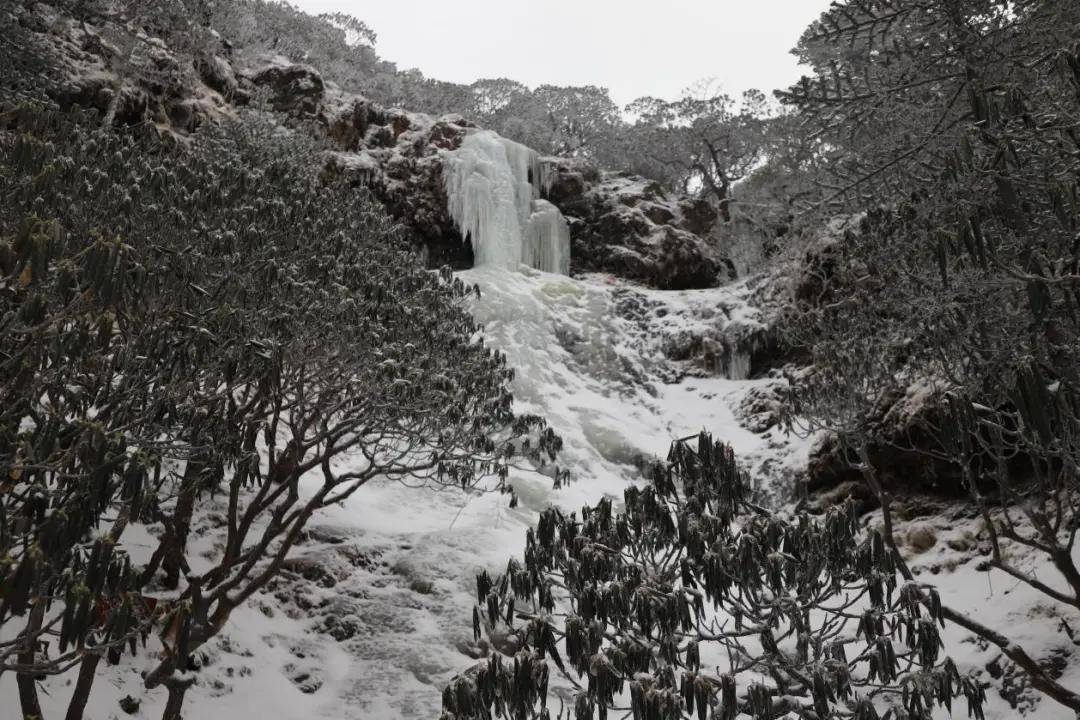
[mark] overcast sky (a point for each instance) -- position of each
(632, 47)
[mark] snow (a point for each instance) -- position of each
(1029, 619)
(494, 203)
(591, 372)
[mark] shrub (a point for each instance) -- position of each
(179, 321)
(639, 610)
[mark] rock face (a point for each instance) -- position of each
(900, 451)
(621, 225)
(627, 226)
(130, 78)
(397, 157)
(217, 73)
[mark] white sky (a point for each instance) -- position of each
(632, 47)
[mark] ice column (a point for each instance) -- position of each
(545, 244)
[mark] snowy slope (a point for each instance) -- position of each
(393, 568)
(376, 615)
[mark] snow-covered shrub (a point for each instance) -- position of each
(945, 324)
(182, 321)
(695, 602)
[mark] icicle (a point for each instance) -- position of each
(544, 176)
(737, 366)
(523, 163)
(493, 188)
(545, 244)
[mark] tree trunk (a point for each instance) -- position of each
(721, 186)
(175, 701)
(87, 673)
(26, 682)
(28, 697)
(175, 542)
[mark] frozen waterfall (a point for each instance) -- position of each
(494, 204)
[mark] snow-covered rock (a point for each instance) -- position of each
(628, 226)
(293, 88)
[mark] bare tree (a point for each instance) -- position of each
(702, 142)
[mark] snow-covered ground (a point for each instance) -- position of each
(378, 615)
(955, 562)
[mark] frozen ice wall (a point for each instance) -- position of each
(493, 188)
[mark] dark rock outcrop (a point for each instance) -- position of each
(569, 186)
(397, 157)
(627, 226)
(898, 451)
(294, 88)
(348, 127)
(903, 448)
(217, 73)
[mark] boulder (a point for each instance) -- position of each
(658, 214)
(350, 124)
(93, 90)
(624, 225)
(682, 261)
(902, 448)
(217, 73)
(185, 114)
(357, 169)
(568, 194)
(132, 106)
(295, 89)
(447, 135)
(698, 216)
(761, 407)
(400, 123)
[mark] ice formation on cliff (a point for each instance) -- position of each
(493, 188)
(545, 244)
